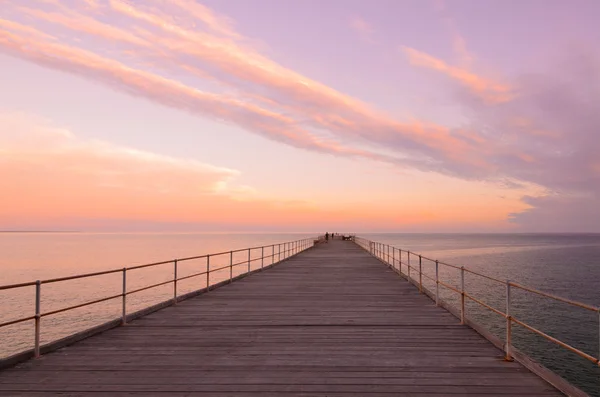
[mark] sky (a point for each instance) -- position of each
(300, 115)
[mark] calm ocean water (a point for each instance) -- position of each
(567, 265)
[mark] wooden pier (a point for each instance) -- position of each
(331, 321)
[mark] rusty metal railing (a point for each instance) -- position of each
(395, 260)
(276, 253)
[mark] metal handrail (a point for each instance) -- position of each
(290, 248)
(381, 251)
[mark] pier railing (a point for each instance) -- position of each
(400, 259)
(273, 253)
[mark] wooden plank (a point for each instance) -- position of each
(330, 321)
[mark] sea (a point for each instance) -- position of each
(567, 265)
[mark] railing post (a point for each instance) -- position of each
(388, 254)
(400, 260)
(420, 274)
(230, 266)
(248, 260)
(272, 254)
(394, 257)
(507, 356)
(462, 295)
(408, 264)
(124, 294)
(262, 257)
(437, 284)
(279, 252)
(207, 273)
(38, 314)
(175, 282)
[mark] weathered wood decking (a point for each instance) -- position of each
(332, 321)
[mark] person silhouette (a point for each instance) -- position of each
(327, 237)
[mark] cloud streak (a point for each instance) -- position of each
(316, 117)
(184, 55)
(486, 89)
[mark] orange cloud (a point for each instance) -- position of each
(51, 178)
(217, 23)
(48, 174)
(307, 105)
(488, 90)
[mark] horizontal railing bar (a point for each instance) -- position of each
(429, 259)
(449, 286)
(429, 277)
(558, 342)
(20, 285)
(449, 265)
(291, 248)
(558, 298)
(6, 324)
(80, 305)
(101, 273)
(219, 268)
(149, 265)
(375, 250)
(529, 289)
(148, 287)
(240, 263)
(56, 280)
(191, 258)
(485, 305)
(191, 276)
(484, 276)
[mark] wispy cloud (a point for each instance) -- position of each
(364, 29)
(459, 43)
(184, 55)
(92, 180)
(486, 89)
(317, 117)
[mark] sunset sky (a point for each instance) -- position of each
(300, 115)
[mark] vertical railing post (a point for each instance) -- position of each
(388, 254)
(279, 252)
(462, 295)
(408, 264)
(38, 317)
(230, 266)
(437, 283)
(207, 272)
(420, 274)
(124, 295)
(272, 254)
(262, 257)
(507, 356)
(175, 282)
(248, 260)
(394, 257)
(400, 260)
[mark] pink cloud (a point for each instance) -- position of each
(253, 117)
(486, 89)
(507, 136)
